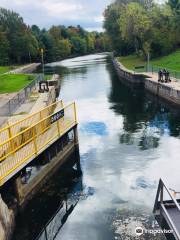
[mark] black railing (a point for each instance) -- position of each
(12, 105)
(155, 69)
(160, 207)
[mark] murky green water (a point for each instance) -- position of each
(128, 140)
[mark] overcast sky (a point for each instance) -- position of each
(87, 13)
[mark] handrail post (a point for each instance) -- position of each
(58, 127)
(75, 113)
(161, 192)
(11, 141)
(42, 122)
(34, 141)
(157, 197)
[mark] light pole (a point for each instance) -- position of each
(29, 57)
(42, 60)
(148, 61)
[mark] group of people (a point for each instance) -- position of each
(164, 76)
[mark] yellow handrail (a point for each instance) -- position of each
(41, 121)
(17, 127)
(20, 148)
(31, 115)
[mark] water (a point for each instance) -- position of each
(128, 140)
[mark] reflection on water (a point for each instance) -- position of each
(51, 207)
(128, 140)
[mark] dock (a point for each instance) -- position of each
(24, 140)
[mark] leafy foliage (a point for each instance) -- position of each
(20, 43)
(143, 26)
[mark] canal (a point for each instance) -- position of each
(128, 140)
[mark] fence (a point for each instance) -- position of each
(18, 150)
(173, 73)
(17, 127)
(12, 105)
(155, 69)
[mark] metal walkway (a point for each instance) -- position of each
(168, 210)
(23, 141)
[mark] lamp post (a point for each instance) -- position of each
(148, 61)
(42, 60)
(29, 57)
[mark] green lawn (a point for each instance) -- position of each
(14, 82)
(131, 61)
(4, 69)
(48, 76)
(171, 61)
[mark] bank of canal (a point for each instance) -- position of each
(128, 140)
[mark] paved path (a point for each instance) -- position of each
(25, 69)
(175, 83)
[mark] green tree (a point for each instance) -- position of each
(64, 48)
(4, 49)
(164, 36)
(18, 35)
(90, 43)
(135, 26)
(20, 43)
(79, 45)
(55, 32)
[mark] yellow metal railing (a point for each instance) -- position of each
(17, 127)
(21, 148)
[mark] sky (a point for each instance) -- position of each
(44, 13)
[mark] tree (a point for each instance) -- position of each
(55, 32)
(164, 39)
(135, 26)
(21, 43)
(112, 14)
(174, 4)
(79, 45)
(4, 49)
(64, 48)
(90, 43)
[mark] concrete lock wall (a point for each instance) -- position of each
(128, 75)
(166, 92)
(6, 221)
(169, 92)
(55, 156)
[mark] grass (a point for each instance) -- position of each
(10, 83)
(48, 76)
(171, 61)
(131, 61)
(5, 69)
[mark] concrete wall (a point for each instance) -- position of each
(48, 163)
(163, 90)
(167, 91)
(6, 221)
(25, 192)
(125, 74)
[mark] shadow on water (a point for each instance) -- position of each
(49, 209)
